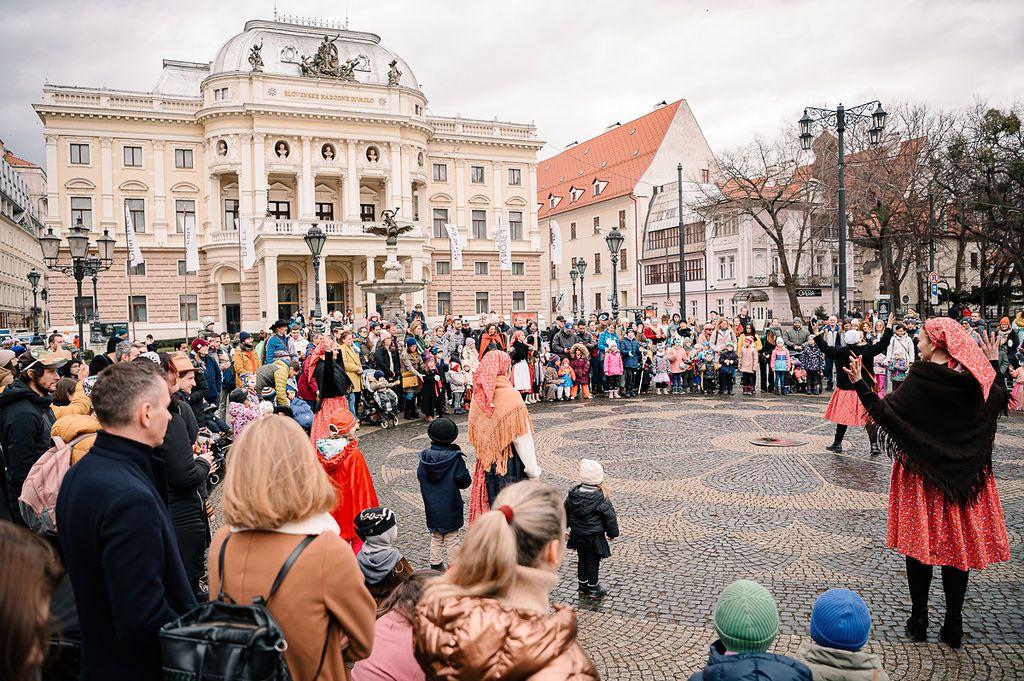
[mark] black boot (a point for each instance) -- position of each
(596, 591)
(919, 580)
(835, 448)
(954, 586)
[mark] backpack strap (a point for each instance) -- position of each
(221, 595)
(292, 557)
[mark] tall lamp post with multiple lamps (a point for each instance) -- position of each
(614, 241)
(574, 275)
(81, 266)
(838, 119)
(33, 279)
(315, 239)
(581, 267)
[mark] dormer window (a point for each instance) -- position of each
(553, 201)
(575, 194)
(599, 186)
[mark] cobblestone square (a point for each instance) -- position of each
(700, 506)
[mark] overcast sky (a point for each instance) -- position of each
(571, 66)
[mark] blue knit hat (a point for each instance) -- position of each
(840, 619)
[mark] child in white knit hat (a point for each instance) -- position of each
(592, 522)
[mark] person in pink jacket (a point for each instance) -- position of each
(612, 369)
(393, 656)
(748, 365)
(676, 356)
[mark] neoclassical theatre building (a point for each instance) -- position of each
(288, 126)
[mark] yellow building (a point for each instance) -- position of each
(19, 249)
(288, 126)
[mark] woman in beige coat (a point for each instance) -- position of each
(275, 495)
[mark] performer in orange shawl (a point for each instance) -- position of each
(326, 371)
(500, 431)
(340, 456)
(939, 428)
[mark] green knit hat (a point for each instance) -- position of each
(746, 618)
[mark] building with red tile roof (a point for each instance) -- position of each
(608, 181)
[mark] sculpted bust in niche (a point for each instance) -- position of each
(222, 148)
(372, 155)
(327, 151)
(281, 149)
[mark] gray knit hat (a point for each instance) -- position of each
(746, 618)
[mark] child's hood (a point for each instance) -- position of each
(437, 460)
(584, 499)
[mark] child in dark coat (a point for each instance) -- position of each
(442, 472)
(592, 521)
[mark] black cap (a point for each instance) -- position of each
(375, 521)
(443, 431)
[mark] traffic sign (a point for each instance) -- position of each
(933, 277)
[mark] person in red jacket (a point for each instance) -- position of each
(340, 457)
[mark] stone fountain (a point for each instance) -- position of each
(390, 289)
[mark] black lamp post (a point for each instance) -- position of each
(315, 239)
(581, 267)
(81, 265)
(573, 274)
(838, 118)
(614, 241)
(33, 279)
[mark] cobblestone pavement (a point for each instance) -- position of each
(700, 506)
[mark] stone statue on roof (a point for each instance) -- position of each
(256, 58)
(394, 75)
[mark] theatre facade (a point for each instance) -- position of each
(288, 126)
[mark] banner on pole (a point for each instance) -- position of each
(247, 239)
(556, 243)
(456, 244)
(191, 245)
(134, 252)
(501, 241)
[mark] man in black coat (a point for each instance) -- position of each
(116, 534)
(25, 421)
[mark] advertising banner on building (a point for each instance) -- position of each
(456, 245)
(191, 245)
(134, 252)
(247, 240)
(501, 242)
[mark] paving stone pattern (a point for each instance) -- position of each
(699, 506)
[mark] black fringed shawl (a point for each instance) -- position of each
(937, 425)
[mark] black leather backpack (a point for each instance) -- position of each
(223, 641)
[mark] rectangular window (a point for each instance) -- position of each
(572, 230)
(623, 261)
(481, 267)
(554, 271)
(440, 172)
(183, 159)
(695, 269)
(663, 238)
(694, 234)
(325, 212)
(184, 213)
(597, 263)
(137, 271)
(444, 303)
(518, 301)
(728, 226)
(476, 174)
(597, 300)
(279, 210)
(230, 213)
(137, 309)
(188, 308)
(483, 302)
(597, 224)
(730, 267)
(554, 303)
(705, 175)
(442, 267)
(622, 219)
(440, 220)
(367, 212)
(81, 211)
(721, 267)
(181, 269)
(515, 225)
(515, 177)
(137, 211)
(87, 305)
(79, 154)
(974, 260)
(519, 269)
(133, 157)
(479, 224)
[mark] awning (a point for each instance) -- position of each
(751, 296)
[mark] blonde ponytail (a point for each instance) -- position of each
(494, 546)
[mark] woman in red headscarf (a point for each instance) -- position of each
(500, 431)
(338, 453)
(939, 428)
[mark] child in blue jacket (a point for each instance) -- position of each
(442, 472)
(301, 411)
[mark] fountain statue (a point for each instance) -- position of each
(390, 289)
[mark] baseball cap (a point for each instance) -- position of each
(199, 343)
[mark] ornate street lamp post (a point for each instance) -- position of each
(315, 239)
(581, 267)
(614, 241)
(573, 274)
(33, 279)
(838, 118)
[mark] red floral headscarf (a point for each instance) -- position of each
(946, 334)
(495, 363)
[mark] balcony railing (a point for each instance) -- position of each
(273, 227)
(776, 280)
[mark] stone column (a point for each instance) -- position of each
(269, 289)
(160, 221)
(532, 228)
(245, 178)
(107, 185)
(405, 182)
(52, 187)
(306, 208)
(215, 211)
(351, 183)
(371, 274)
(259, 175)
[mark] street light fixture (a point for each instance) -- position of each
(581, 267)
(838, 118)
(574, 275)
(315, 239)
(614, 240)
(33, 279)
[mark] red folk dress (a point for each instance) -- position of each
(934, 530)
(846, 409)
(351, 478)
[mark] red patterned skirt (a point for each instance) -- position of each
(322, 419)
(928, 527)
(845, 409)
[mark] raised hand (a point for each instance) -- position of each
(854, 370)
(990, 345)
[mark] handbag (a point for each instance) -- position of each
(410, 381)
(221, 640)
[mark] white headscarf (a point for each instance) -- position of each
(853, 337)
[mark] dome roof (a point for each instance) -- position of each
(284, 44)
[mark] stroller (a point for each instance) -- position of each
(378, 405)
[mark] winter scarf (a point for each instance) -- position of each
(497, 415)
(378, 556)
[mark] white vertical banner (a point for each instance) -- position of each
(191, 245)
(246, 242)
(134, 252)
(556, 242)
(456, 244)
(501, 241)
